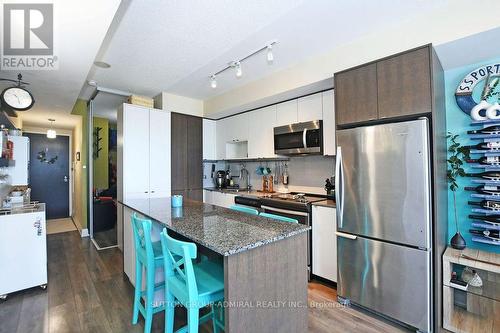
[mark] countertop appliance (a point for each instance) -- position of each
(220, 179)
(23, 246)
(384, 209)
(19, 172)
(299, 138)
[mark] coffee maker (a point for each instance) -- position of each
(220, 179)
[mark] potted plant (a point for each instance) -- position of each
(458, 154)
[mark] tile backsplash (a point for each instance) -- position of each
(304, 172)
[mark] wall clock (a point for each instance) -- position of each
(17, 98)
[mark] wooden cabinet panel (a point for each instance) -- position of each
(194, 153)
(179, 152)
(261, 123)
(404, 84)
(309, 108)
(209, 139)
(329, 147)
(286, 113)
(356, 95)
(159, 147)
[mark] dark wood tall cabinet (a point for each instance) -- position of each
(398, 86)
(187, 156)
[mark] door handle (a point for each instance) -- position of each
(65, 179)
(304, 138)
(339, 187)
(344, 235)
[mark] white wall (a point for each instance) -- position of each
(179, 104)
(454, 20)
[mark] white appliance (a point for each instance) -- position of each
(23, 249)
(20, 171)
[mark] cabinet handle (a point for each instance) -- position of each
(145, 191)
(152, 191)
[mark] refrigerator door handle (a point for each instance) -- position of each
(339, 187)
(344, 235)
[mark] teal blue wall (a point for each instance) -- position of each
(458, 122)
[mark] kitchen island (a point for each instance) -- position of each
(265, 261)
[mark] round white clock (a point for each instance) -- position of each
(17, 98)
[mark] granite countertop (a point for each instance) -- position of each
(222, 230)
(325, 203)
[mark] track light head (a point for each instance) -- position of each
(270, 55)
(213, 82)
(239, 71)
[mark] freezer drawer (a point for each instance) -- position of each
(390, 279)
(383, 182)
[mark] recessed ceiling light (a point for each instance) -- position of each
(102, 64)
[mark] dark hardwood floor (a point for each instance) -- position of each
(88, 293)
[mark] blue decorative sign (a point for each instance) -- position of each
(464, 91)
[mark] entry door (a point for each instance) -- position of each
(49, 173)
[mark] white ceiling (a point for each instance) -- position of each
(175, 45)
(79, 29)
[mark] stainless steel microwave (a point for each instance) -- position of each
(299, 138)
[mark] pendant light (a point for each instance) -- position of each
(51, 133)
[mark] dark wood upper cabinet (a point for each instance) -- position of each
(356, 95)
(195, 152)
(179, 152)
(404, 84)
(187, 155)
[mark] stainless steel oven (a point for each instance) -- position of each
(303, 217)
(300, 138)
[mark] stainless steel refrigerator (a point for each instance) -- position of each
(384, 212)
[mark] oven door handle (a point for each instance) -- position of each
(304, 137)
(285, 211)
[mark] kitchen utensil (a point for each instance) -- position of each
(212, 174)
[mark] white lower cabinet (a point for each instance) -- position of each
(324, 242)
(218, 198)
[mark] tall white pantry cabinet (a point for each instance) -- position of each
(143, 159)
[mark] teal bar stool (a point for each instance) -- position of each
(148, 256)
(245, 210)
(279, 218)
(192, 284)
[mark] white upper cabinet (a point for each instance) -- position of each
(328, 123)
(231, 131)
(209, 139)
(310, 108)
(261, 123)
(286, 113)
(143, 152)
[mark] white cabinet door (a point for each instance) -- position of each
(328, 123)
(286, 113)
(324, 242)
(228, 200)
(222, 135)
(310, 108)
(159, 147)
(135, 151)
(261, 123)
(237, 128)
(209, 139)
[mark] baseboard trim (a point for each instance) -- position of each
(84, 232)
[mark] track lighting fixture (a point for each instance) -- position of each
(213, 82)
(270, 56)
(237, 63)
(239, 72)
